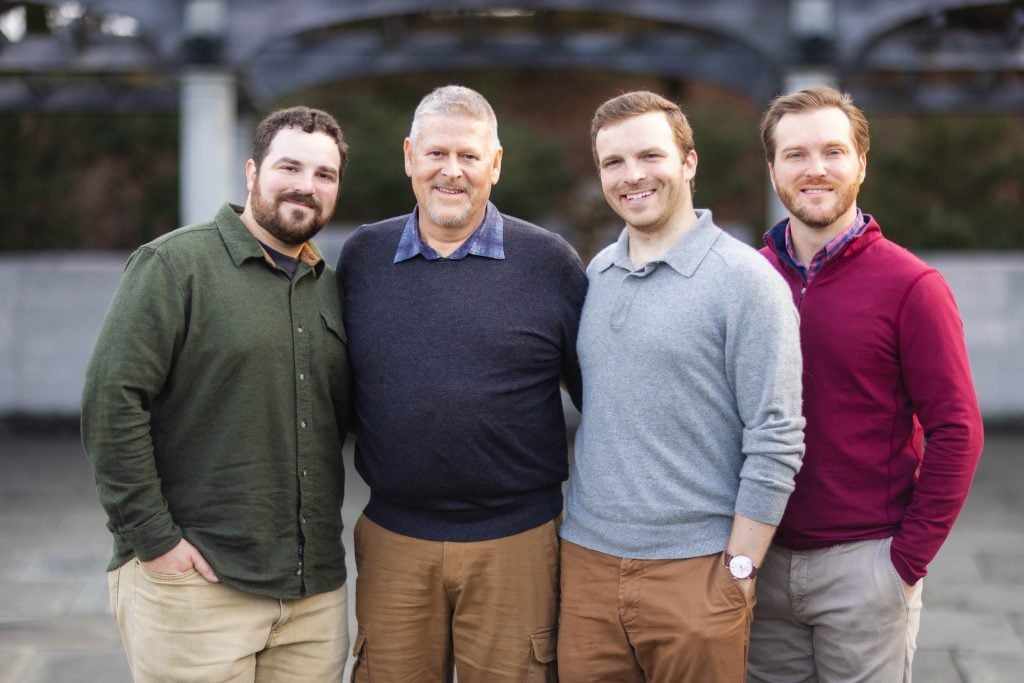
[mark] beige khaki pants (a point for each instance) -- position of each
(184, 628)
(488, 608)
(837, 614)
(663, 621)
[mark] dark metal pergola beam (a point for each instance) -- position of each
(277, 46)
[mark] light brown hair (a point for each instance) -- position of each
(812, 99)
(630, 104)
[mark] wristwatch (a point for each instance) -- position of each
(740, 566)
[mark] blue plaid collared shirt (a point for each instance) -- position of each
(487, 240)
(827, 252)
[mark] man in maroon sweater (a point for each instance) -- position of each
(885, 372)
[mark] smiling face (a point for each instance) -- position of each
(817, 171)
(453, 163)
(644, 175)
(293, 193)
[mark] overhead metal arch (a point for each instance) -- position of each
(669, 54)
(886, 51)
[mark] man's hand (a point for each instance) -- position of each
(908, 590)
(180, 559)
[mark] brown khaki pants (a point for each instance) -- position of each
(183, 628)
(664, 621)
(486, 608)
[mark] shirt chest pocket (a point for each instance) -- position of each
(335, 342)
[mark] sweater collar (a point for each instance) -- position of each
(775, 240)
(685, 256)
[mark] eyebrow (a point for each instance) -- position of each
(296, 162)
(827, 143)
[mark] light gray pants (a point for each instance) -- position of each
(834, 614)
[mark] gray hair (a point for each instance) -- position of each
(456, 100)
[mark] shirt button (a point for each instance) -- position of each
(305, 472)
(303, 424)
(298, 572)
(302, 377)
(303, 520)
(299, 328)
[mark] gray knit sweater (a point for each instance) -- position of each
(691, 398)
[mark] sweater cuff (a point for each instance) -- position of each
(902, 566)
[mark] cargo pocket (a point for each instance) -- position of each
(543, 656)
(360, 671)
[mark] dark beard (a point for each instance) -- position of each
(294, 227)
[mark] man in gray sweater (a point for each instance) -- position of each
(691, 433)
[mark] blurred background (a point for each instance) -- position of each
(122, 119)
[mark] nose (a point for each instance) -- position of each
(634, 172)
(304, 183)
(451, 167)
(816, 166)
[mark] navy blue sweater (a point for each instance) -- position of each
(456, 365)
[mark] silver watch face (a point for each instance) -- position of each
(741, 566)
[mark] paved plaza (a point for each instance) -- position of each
(55, 622)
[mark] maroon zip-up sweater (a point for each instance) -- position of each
(885, 372)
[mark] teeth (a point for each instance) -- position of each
(639, 195)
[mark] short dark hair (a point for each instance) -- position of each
(812, 99)
(630, 104)
(307, 120)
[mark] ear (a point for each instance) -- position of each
(250, 174)
(771, 176)
(690, 165)
(496, 166)
(407, 153)
(863, 166)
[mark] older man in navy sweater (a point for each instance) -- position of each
(462, 324)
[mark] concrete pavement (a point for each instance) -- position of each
(55, 622)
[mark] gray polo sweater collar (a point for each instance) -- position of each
(685, 256)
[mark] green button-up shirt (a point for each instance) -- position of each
(215, 408)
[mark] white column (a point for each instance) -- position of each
(245, 126)
(209, 167)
